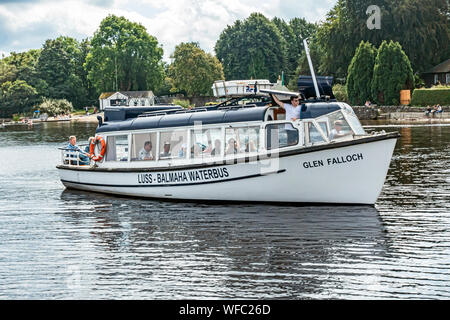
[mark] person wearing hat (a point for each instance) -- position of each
(166, 153)
(337, 131)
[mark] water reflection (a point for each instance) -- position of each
(265, 248)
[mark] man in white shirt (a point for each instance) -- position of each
(145, 153)
(292, 114)
(292, 110)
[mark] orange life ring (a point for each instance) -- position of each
(94, 142)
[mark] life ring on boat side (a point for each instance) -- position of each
(94, 142)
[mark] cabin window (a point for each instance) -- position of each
(313, 134)
(281, 135)
(339, 127)
(234, 145)
(241, 140)
(117, 148)
(143, 147)
(206, 143)
(324, 126)
(173, 145)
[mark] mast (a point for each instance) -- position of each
(311, 67)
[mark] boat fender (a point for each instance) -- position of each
(97, 139)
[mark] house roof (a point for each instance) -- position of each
(129, 94)
(444, 67)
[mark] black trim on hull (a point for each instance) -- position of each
(172, 185)
(229, 202)
(388, 136)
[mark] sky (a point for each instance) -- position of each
(26, 24)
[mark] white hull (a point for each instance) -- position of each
(352, 174)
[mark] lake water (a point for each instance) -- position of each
(61, 244)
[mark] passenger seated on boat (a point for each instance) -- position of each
(250, 147)
(217, 151)
(84, 158)
(209, 148)
(232, 147)
(166, 154)
(196, 151)
(182, 151)
(146, 152)
(337, 131)
(72, 146)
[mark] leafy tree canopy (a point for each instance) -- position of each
(253, 48)
(392, 73)
(124, 56)
(360, 73)
(194, 70)
(420, 26)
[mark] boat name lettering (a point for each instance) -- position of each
(183, 176)
(333, 161)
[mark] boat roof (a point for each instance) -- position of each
(128, 119)
(183, 118)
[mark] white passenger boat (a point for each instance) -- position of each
(243, 149)
(235, 153)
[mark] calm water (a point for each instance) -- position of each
(60, 244)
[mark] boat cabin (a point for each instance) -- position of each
(171, 135)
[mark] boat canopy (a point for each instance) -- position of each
(124, 113)
(181, 118)
(315, 110)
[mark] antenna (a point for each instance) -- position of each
(311, 67)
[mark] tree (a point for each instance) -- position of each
(392, 73)
(16, 97)
(360, 74)
(59, 68)
(420, 26)
(23, 66)
(253, 48)
(54, 107)
(194, 70)
(124, 56)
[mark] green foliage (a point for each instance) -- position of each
(16, 97)
(253, 48)
(392, 73)
(340, 92)
(360, 73)
(59, 66)
(431, 96)
(293, 33)
(123, 50)
(420, 26)
(193, 71)
(54, 107)
(183, 103)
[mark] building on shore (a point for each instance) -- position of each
(126, 98)
(440, 74)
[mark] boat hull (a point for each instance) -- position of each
(350, 173)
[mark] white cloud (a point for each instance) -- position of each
(27, 25)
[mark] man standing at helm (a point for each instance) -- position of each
(292, 114)
(292, 109)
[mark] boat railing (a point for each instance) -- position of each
(75, 158)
